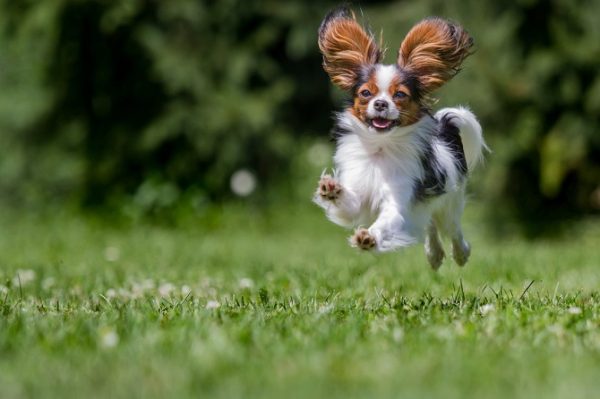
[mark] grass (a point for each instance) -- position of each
(246, 303)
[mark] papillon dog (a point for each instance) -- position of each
(399, 169)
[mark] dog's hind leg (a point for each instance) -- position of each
(433, 247)
(461, 249)
(447, 220)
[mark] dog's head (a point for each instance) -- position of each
(386, 96)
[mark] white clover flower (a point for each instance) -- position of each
(487, 308)
(3, 289)
(185, 290)
(574, 310)
(398, 334)
(325, 308)
(111, 293)
(23, 277)
(246, 283)
(165, 289)
(213, 305)
(108, 338)
(137, 290)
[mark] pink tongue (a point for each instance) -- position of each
(381, 123)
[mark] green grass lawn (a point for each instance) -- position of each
(244, 303)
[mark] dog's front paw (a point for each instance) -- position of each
(329, 188)
(362, 239)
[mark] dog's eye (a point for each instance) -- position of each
(400, 95)
(365, 93)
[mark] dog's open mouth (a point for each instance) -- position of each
(382, 124)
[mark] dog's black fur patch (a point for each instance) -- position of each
(449, 133)
(338, 131)
(433, 183)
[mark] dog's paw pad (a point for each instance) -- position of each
(362, 239)
(329, 188)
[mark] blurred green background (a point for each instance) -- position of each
(149, 107)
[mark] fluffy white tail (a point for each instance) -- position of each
(470, 133)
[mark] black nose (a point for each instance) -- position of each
(380, 105)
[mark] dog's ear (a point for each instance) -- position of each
(433, 51)
(347, 49)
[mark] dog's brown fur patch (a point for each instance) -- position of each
(433, 50)
(346, 49)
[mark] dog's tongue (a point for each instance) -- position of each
(381, 123)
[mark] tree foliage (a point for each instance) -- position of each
(179, 93)
(105, 99)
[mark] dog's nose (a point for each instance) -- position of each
(380, 105)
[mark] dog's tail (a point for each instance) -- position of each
(470, 133)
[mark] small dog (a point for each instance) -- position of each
(398, 168)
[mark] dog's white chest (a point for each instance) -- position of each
(374, 174)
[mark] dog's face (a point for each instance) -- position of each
(387, 96)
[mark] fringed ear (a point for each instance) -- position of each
(433, 51)
(346, 48)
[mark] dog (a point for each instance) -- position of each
(399, 169)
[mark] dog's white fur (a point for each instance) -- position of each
(375, 176)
